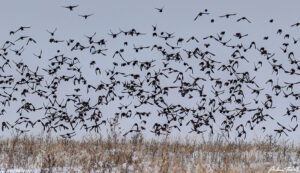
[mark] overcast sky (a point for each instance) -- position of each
(177, 17)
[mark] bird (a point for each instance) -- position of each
(296, 24)
(70, 7)
(160, 10)
(86, 15)
(201, 14)
(22, 28)
(52, 32)
(228, 15)
(39, 55)
(243, 18)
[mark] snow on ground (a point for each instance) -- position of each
(148, 166)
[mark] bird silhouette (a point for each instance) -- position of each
(201, 14)
(85, 16)
(243, 18)
(70, 7)
(227, 15)
(160, 10)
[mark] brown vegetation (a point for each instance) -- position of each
(119, 154)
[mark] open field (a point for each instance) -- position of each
(43, 153)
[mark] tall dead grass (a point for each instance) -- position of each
(135, 154)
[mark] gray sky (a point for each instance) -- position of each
(177, 17)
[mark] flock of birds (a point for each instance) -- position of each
(221, 89)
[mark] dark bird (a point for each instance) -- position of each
(243, 18)
(53, 32)
(70, 7)
(227, 15)
(192, 38)
(201, 14)
(160, 9)
(22, 28)
(85, 16)
(40, 55)
(296, 24)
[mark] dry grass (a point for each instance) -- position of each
(118, 154)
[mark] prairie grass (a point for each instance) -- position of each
(135, 154)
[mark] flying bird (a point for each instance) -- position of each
(85, 16)
(70, 7)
